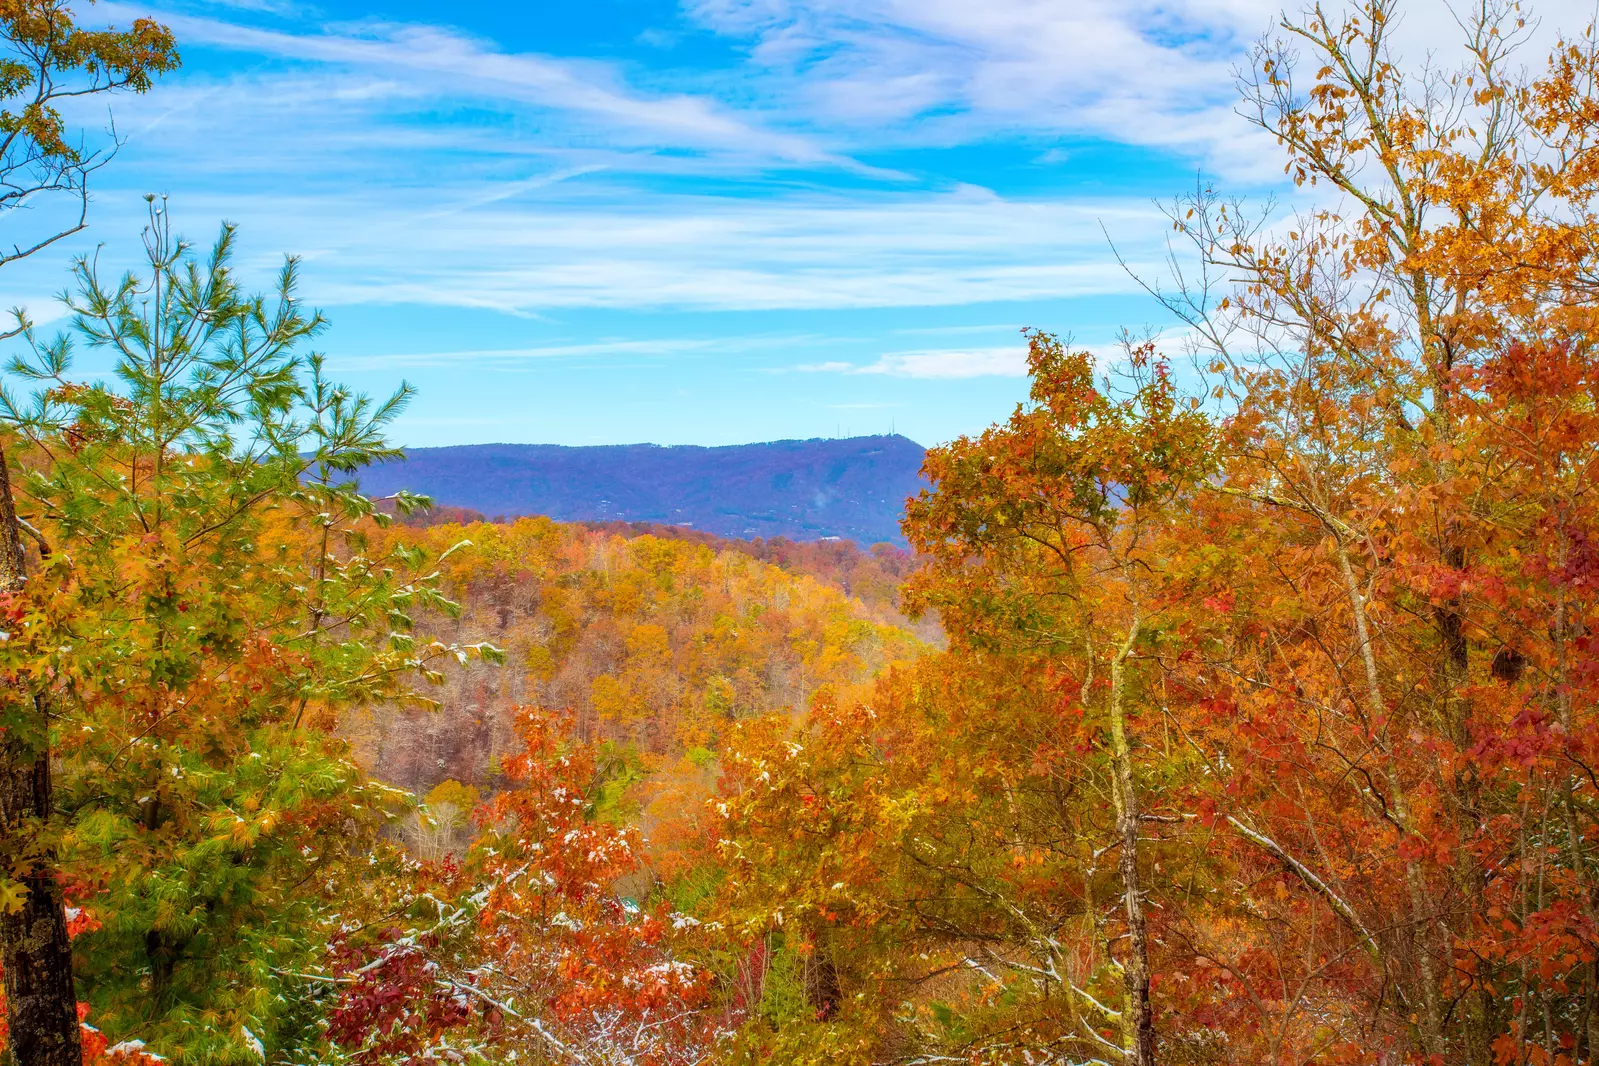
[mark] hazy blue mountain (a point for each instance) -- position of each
(854, 488)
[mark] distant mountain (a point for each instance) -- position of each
(854, 488)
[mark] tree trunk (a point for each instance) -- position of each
(1430, 1022)
(1138, 1020)
(41, 1003)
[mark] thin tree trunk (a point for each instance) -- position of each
(1138, 1020)
(1431, 1023)
(41, 1003)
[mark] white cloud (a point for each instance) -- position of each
(1009, 361)
(1152, 73)
(433, 62)
(1005, 360)
(413, 164)
(950, 70)
(557, 247)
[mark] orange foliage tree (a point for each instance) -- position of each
(1354, 772)
(966, 807)
(524, 945)
(1392, 697)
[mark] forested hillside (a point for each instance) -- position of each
(654, 646)
(853, 488)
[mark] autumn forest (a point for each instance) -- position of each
(1235, 701)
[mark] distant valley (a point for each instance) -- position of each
(852, 488)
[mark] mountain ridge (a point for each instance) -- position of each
(851, 488)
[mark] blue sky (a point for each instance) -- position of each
(709, 222)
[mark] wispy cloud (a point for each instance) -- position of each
(417, 164)
(1007, 361)
(948, 71)
(1153, 73)
(556, 247)
(443, 64)
(996, 361)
